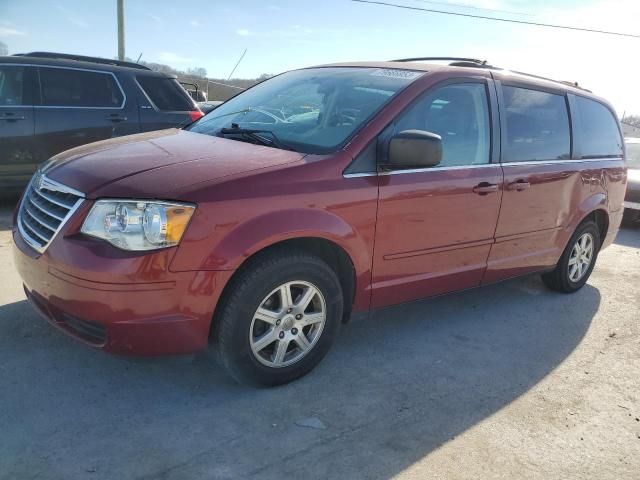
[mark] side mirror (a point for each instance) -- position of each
(414, 149)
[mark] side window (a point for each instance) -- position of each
(165, 93)
(12, 86)
(460, 115)
(78, 88)
(537, 126)
(599, 135)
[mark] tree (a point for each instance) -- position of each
(197, 72)
(633, 120)
(4, 50)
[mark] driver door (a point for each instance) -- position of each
(436, 225)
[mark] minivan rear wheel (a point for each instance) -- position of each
(577, 261)
(278, 318)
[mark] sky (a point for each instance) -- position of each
(281, 35)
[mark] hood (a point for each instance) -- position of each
(633, 176)
(178, 157)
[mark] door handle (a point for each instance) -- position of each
(116, 118)
(485, 187)
(11, 117)
(518, 185)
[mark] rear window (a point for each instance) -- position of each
(599, 135)
(537, 126)
(165, 93)
(78, 88)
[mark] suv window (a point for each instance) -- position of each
(78, 88)
(537, 126)
(460, 115)
(165, 93)
(599, 135)
(12, 86)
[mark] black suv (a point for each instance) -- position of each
(52, 102)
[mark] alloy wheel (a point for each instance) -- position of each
(287, 324)
(581, 257)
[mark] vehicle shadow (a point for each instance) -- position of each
(394, 388)
(629, 236)
(7, 206)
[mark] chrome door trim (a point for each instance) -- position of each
(555, 162)
(420, 170)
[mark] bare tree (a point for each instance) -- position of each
(633, 120)
(197, 72)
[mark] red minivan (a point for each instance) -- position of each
(317, 194)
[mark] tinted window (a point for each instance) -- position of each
(12, 86)
(537, 126)
(78, 88)
(599, 135)
(165, 93)
(460, 115)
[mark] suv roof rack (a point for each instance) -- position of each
(474, 62)
(454, 59)
(82, 58)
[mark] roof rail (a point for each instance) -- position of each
(474, 62)
(454, 59)
(82, 58)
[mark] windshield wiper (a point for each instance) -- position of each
(254, 134)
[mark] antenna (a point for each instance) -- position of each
(238, 63)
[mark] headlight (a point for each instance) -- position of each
(138, 224)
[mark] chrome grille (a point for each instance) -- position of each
(46, 206)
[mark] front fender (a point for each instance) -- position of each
(249, 237)
(268, 229)
(240, 241)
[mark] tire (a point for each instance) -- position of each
(242, 332)
(564, 278)
(630, 217)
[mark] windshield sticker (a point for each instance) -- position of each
(393, 73)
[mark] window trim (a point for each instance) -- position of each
(39, 89)
(503, 119)
(153, 105)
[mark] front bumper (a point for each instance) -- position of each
(117, 301)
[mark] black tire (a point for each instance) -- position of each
(248, 289)
(630, 218)
(559, 279)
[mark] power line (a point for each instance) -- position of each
(473, 7)
(497, 19)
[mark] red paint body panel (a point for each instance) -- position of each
(434, 233)
(145, 309)
(158, 163)
(408, 236)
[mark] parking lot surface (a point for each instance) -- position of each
(507, 381)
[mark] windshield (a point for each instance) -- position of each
(313, 110)
(633, 155)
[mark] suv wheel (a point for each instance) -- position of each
(577, 260)
(279, 318)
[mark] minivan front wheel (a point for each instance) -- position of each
(279, 318)
(577, 260)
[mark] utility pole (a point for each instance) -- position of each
(121, 30)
